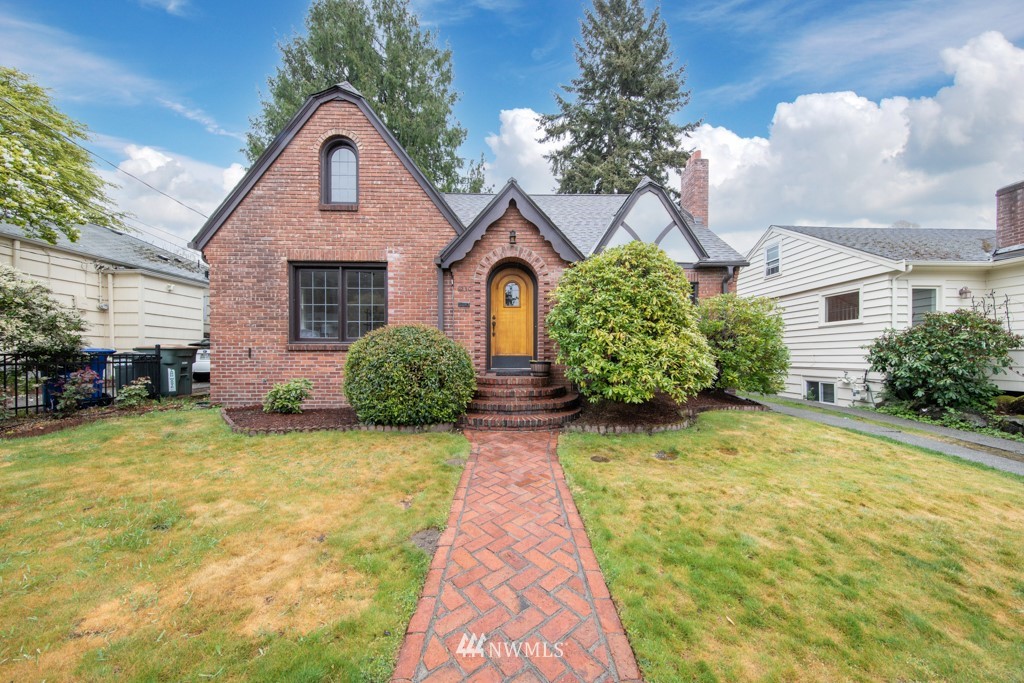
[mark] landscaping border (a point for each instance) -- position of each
(414, 429)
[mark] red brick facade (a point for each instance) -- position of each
(468, 282)
(1010, 216)
(279, 222)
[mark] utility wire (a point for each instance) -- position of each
(104, 160)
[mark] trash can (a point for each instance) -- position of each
(175, 368)
(98, 363)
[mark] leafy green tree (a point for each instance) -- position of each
(626, 328)
(32, 322)
(946, 362)
(381, 50)
(47, 184)
(616, 121)
(745, 334)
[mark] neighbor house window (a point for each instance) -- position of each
(337, 302)
(822, 392)
(340, 174)
(923, 302)
(771, 260)
(842, 307)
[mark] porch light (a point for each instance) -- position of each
(964, 292)
(512, 237)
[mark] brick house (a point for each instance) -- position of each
(334, 231)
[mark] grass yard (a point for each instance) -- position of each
(165, 547)
(773, 548)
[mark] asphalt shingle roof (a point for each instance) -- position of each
(124, 250)
(584, 218)
(911, 244)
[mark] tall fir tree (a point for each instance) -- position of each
(381, 50)
(616, 118)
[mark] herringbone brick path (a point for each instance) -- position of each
(515, 566)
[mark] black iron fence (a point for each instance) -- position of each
(31, 384)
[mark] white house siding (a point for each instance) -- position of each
(1007, 278)
(809, 271)
(165, 316)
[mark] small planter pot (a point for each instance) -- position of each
(540, 368)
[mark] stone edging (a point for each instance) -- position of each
(443, 427)
(685, 423)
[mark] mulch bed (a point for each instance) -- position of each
(252, 420)
(658, 415)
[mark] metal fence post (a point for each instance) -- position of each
(159, 375)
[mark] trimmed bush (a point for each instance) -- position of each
(408, 375)
(745, 334)
(135, 394)
(945, 362)
(287, 397)
(626, 328)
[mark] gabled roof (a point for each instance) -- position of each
(586, 218)
(121, 249)
(494, 209)
(908, 244)
(341, 92)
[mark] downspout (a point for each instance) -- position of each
(907, 269)
(110, 308)
(440, 297)
(731, 270)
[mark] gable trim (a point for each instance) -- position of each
(343, 92)
(850, 251)
(648, 185)
(458, 248)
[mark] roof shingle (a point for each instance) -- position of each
(911, 244)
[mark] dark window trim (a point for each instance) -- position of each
(325, 175)
(341, 342)
(695, 291)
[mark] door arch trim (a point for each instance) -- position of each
(495, 272)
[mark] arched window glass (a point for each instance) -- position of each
(512, 295)
(341, 180)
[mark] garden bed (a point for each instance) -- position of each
(661, 414)
(252, 420)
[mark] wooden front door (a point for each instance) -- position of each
(512, 307)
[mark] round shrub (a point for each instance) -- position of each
(746, 336)
(626, 329)
(408, 375)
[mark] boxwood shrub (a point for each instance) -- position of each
(408, 375)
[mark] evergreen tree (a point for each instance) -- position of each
(616, 122)
(47, 183)
(381, 50)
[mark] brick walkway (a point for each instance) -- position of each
(515, 566)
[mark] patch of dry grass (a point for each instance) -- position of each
(166, 547)
(773, 548)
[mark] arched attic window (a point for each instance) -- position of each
(339, 171)
(649, 220)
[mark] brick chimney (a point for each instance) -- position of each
(693, 187)
(1010, 216)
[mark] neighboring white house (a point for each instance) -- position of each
(130, 292)
(840, 288)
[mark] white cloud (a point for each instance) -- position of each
(197, 184)
(841, 159)
(519, 153)
(56, 60)
(175, 7)
(873, 46)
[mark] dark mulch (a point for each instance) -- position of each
(47, 423)
(658, 412)
(253, 418)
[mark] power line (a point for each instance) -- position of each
(104, 160)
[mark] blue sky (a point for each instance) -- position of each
(167, 87)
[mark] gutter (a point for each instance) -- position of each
(440, 298)
(907, 270)
(731, 271)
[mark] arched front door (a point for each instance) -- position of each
(511, 319)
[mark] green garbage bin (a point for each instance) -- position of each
(175, 368)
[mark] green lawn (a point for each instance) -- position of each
(773, 548)
(164, 547)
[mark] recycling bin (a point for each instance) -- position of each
(175, 368)
(98, 364)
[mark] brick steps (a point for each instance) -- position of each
(524, 405)
(517, 402)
